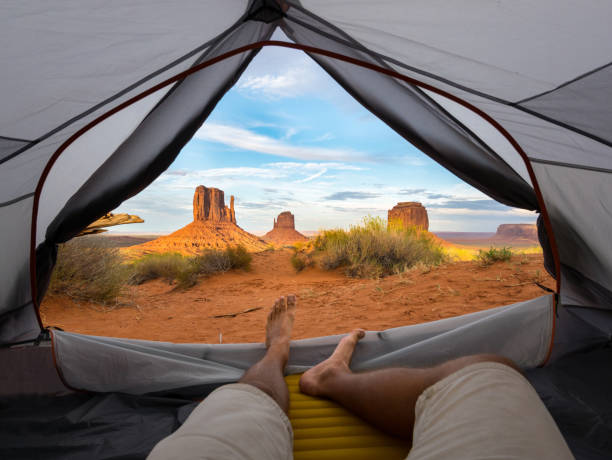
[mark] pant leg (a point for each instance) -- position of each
(235, 422)
(485, 411)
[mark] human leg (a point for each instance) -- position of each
(267, 374)
(387, 397)
(246, 420)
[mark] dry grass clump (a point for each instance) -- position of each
(302, 255)
(185, 270)
(87, 269)
(239, 257)
(375, 249)
(167, 266)
(494, 255)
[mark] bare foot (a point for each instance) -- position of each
(280, 322)
(314, 382)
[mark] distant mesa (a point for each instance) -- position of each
(409, 213)
(284, 231)
(213, 227)
(517, 232)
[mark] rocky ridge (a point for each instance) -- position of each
(517, 232)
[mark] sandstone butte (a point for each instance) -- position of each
(517, 232)
(213, 227)
(409, 213)
(284, 231)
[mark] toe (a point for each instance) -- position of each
(291, 301)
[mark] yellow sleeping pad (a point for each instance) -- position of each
(324, 430)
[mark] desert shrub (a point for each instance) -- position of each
(494, 255)
(298, 262)
(168, 266)
(88, 269)
(374, 249)
(239, 257)
(211, 261)
(185, 270)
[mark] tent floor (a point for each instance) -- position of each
(576, 391)
(111, 426)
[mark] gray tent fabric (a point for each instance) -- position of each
(85, 427)
(517, 102)
(545, 101)
(521, 331)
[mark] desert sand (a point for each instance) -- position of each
(328, 302)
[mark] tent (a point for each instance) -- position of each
(98, 98)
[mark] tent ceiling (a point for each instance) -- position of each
(509, 49)
(61, 61)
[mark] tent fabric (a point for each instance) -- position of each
(120, 426)
(508, 81)
(521, 332)
(576, 392)
(87, 426)
(556, 108)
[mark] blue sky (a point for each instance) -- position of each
(287, 137)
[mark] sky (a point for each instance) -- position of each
(287, 137)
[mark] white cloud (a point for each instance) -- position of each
(314, 176)
(294, 76)
(249, 140)
(329, 165)
(324, 137)
(242, 171)
(290, 133)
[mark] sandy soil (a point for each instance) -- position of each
(328, 302)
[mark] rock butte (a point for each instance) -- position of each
(409, 213)
(213, 227)
(517, 231)
(284, 231)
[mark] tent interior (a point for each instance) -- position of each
(520, 110)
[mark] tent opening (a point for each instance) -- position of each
(290, 165)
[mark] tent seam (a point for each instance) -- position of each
(563, 85)
(8, 138)
(570, 165)
(16, 200)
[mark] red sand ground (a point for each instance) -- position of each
(328, 302)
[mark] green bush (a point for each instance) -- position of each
(211, 261)
(168, 266)
(375, 249)
(298, 262)
(185, 270)
(239, 257)
(494, 255)
(88, 269)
